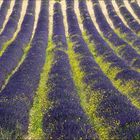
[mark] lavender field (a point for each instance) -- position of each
(69, 70)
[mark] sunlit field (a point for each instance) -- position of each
(69, 70)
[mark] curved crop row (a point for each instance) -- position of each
(127, 81)
(135, 7)
(13, 54)
(17, 97)
(121, 48)
(117, 22)
(81, 87)
(119, 25)
(64, 119)
(99, 95)
(12, 23)
(133, 24)
(3, 11)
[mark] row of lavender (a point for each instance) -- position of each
(12, 23)
(122, 72)
(14, 52)
(130, 36)
(131, 21)
(3, 11)
(122, 48)
(17, 97)
(65, 119)
(113, 100)
(135, 7)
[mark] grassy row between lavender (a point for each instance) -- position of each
(24, 74)
(99, 89)
(40, 101)
(84, 91)
(111, 74)
(4, 134)
(25, 50)
(113, 66)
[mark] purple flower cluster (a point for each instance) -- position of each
(103, 49)
(12, 23)
(14, 52)
(117, 22)
(65, 119)
(58, 27)
(114, 106)
(134, 5)
(71, 18)
(134, 25)
(17, 97)
(127, 53)
(3, 11)
(130, 35)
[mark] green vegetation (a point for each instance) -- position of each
(125, 87)
(40, 101)
(5, 45)
(118, 50)
(26, 49)
(8, 135)
(90, 99)
(124, 37)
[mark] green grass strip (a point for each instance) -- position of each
(40, 101)
(90, 99)
(5, 45)
(5, 134)
(26, 49)
(119, 49)
(124, 37)
(127, 88)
